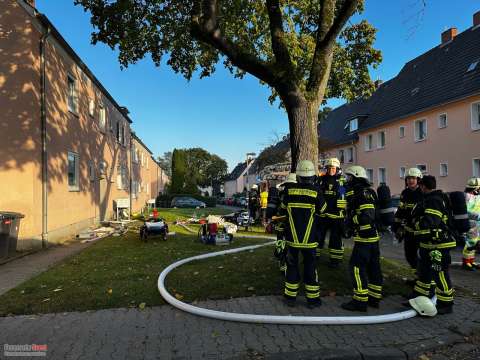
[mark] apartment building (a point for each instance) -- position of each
(428, 116)
(65, 143)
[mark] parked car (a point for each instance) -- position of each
(187, 202)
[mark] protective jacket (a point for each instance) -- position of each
(302, 204)
(333, 188)
(408, 199)
(361, 206)
(431, 218)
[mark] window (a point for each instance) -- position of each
(102, 120)
(72, 94)
(402, 172)
(368, 142)
(370, 175)
(420, 130)
(443, 169)
(442, 121)
(121, 177)
(381, 140)
(341, 156)
(402, 131)
(91, 107)
(73, 173)
(142, 159)
(117, 130)
(91, 171)
(422, 168)
(476, 167)
(134, 189)
(350, 155)
(353, 125)
(147, 161)
(476, 116)
(382, 175)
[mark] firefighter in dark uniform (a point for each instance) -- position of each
(275, 197)
(403, 226)
(431, 218)
(253, 202)
(332, 185)
(365, 268)
(301, 205)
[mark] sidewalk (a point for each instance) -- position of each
(15, 272)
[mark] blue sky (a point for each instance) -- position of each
(228, 116)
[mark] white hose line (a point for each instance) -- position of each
(268, 319)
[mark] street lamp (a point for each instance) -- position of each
(249, 155)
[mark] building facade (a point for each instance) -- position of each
(64, 140)
(428, 116)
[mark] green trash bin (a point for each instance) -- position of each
(9, 225)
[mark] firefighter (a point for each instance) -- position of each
(273, 207)
(332, 185)
(472, 241)
(264, 202)
(365, 268)
(301, 204)
(431, 219)
(402, 226)
(253, 202)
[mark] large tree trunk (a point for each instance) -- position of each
(302, 118)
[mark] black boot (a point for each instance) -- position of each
(290, 302)
(444, 309)
(333, 264)
(353, 305)
(374, 303)
(314, 303)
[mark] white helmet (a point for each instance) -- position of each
(254, 187)
(357, 171)
(291, 178)
(334, 162)
(414, 172)
(305, 168)
(424, 306)
(473, 183)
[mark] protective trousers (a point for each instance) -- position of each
(410, 245)
(292, 278)
(365, 272)
(438, 280)
(335, 244)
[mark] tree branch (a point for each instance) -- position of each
(279, 46)
(204, 27)
(328, 29)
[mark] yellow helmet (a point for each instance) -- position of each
(305, 168)
(414, 172)
(473, 183)
(357, 171)
(334, 162)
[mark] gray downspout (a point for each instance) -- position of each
(43, 119)
(131, 177)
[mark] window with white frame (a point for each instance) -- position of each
(476, 167)
(442, 121)
(350, 155)
(370, 175)
(368, 142)
(117, 130)
(420, 130)
(91, 170)
(476, 116)
(353, 125)
(382, 175)
(102, 118)
(402, 172)
(381, 139)
(422, 168)
(122, 181)
(443, 169)
(134, 189)
(91, 107)
(73, 171)
(72, 100)
(401, 131)
(341, 156)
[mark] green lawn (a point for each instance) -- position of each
(123, 272)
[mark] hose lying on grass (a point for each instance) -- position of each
(268, 319)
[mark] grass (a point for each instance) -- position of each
(123, 272)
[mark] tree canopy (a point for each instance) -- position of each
(300, 49)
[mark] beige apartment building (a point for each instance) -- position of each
(65, 143)
(428, 116)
